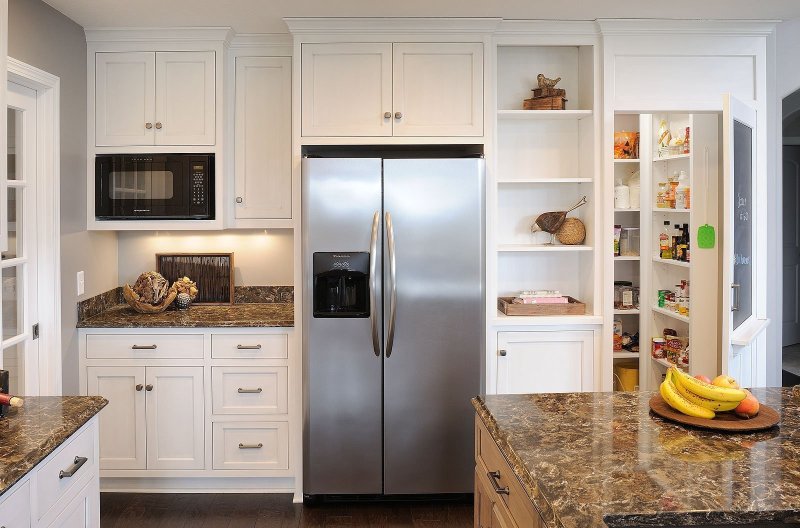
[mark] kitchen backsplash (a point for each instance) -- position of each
(241, 295)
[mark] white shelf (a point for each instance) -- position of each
(627, 258)
(626, 355)
(627, 312)
(617, 160)
(547, 180)
(627, 210)
(530, 248)
(671, 262)
(537, 115)
(664, 363)
(671, 211)
(670, 313)
(545, 320)
(657, 158)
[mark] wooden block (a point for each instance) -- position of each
(545, 103)
(549, 92)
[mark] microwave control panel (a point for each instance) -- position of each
(198, 183)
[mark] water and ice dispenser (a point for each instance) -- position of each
(341, 284)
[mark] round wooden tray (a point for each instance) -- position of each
(767, 417)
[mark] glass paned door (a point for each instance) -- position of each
(19, 264)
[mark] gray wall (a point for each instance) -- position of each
(43, 37)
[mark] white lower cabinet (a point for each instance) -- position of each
(203, 406)
(46, 498)
(545, 361)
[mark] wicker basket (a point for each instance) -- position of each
(572, 232)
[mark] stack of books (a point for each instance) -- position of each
(541, 297)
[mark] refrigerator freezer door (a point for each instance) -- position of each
(342, 373)
(436, 212)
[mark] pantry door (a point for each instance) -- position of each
(739, 243)
(19, 263)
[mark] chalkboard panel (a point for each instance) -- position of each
(742, 301)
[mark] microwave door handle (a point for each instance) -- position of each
(393, 280)
(373, 257)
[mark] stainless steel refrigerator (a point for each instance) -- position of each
(393, 256)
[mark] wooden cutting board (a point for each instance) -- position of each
(767, 417)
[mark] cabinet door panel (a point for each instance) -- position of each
(263, 137)
(15, 510)
(124, 98)
(83, 511)
(438, 89)
(539, 362)
(175, 418)
(346, 89)
(185, 98)
(122, 423)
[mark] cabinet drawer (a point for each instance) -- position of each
(236, 346)
(249, 390)
(251, 445)
(54, 478)
(144, 346)
(490, 459)
(15, 510)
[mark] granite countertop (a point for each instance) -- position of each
(197, 316)
(601, 459)
(30, 433)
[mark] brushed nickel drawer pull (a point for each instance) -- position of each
(249, 347)
(76, 465)
(251, 446)
(144, 347)
(249, 391)
(493, 476)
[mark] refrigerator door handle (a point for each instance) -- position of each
(393, 280)
(373, 257)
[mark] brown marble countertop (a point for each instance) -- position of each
(197, 316)
(29, 433)
(601, 459)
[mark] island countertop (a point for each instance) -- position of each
(30, 433)
(245, 315)
(601, 459)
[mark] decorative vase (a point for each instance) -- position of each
(182, 301)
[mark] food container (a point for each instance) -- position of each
(626, 375)
(623, 295)
(629, 242)
(626, 145)
(658, 351)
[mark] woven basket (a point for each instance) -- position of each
(133, 300)
(572, 232)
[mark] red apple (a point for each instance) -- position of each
(703, 378)
(748, 407)
(725, 381)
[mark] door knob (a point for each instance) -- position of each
(398, 115)
(239, 199)
(159, 125)
(502, 353)
(148, 126)
(148, 387)
(387, 115)
(139, 387)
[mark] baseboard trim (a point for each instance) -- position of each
(197, 485)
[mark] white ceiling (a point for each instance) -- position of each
(265, 16)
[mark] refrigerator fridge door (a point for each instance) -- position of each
(342, 355)
(433, 269)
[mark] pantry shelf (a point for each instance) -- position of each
(656, 158)
(627, 210)
(515, 248)
(670, 313)
(543, 114)
(546, 180)
(670, 211)
(545, 320)
(627, 258)
(627, 312)
(617, 160)
(626, 355)
(671, 262)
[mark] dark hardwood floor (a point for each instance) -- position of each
(129, 510)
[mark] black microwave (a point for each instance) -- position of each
(154, 186)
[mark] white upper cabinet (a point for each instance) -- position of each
(438, 89)
(125, 107)
(347, 89)
(155, 98)
(263, 138)
(401, 89)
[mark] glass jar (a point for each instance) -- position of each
(629, 242)
(620, 289)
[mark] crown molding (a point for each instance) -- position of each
(372, 25)
(261, 40)
(547, 27)
(163, 34)
(647, 26)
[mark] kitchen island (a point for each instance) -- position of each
(581, 460)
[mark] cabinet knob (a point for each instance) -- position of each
(397, 115)
(148, 126)
(148, 387)
(139, 387)
(387, 115)
(159, 125)
(239, 199)
(502, 353)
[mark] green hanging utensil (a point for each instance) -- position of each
(706, 236)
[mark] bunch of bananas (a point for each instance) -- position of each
(697, 398)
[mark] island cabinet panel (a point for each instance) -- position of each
(123, 425)
(15, 511)
(82, 512)
(545, 361)
(503, 501)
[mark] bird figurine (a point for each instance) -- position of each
(552, 221)
(544, 82)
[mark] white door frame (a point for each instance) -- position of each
(48, 180)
